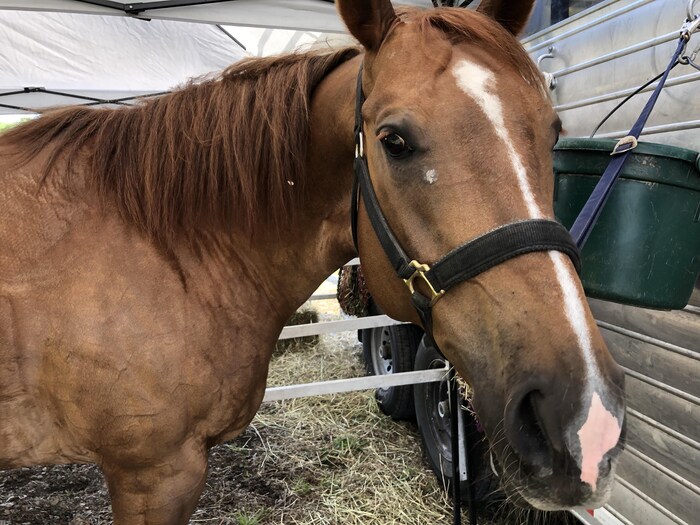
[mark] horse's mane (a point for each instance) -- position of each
(228, 150)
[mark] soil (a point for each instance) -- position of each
(77, 494)
(247, 485)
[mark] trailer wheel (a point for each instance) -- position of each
(434, 424)
(387, 350)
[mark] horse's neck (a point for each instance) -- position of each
(285, 269)
(321, 240)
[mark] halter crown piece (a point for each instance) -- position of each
(464, 262)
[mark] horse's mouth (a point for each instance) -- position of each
(551, 491)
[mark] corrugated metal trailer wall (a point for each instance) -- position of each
(609, 50)
(600, 56)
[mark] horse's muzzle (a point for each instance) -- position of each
(565, 439)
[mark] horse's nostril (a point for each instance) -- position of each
(527, 433)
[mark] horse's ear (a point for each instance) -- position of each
(367, 20)
(511, 15)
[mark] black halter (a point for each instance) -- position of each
(462, 263)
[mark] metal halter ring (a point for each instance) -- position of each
(690, 60)
(360, 146)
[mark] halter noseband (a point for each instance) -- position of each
(464, 262)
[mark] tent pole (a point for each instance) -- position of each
(135, 8)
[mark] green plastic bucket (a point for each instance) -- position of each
(645, 248)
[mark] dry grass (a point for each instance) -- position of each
(353, 465)
(339, 459)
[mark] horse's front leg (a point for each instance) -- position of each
(165, 493)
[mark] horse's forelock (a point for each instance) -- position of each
(466, 25)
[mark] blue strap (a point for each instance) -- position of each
(591, 210)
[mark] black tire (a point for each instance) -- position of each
(387, 350)
(434, 425)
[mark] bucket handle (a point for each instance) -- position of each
(691, 10)
(697, 162)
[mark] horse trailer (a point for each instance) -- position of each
(595, 58)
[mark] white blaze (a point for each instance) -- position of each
(480, 84)
(430, 176)
(575, 311)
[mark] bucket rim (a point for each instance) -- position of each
(644, 148)
(584, 156)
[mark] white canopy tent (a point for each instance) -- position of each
(57, 52)
(306, 15)
(50, 59)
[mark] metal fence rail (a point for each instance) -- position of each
(340, 386)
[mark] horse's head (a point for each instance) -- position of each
(459, 133)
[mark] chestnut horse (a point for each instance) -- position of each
(150, 256)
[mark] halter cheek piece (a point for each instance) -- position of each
(465, 261)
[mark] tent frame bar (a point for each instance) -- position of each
(90, 101)
(136, 8)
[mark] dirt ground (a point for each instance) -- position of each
(323, 460)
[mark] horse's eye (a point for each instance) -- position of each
(396, 146)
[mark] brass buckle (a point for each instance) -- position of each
(420, 271)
